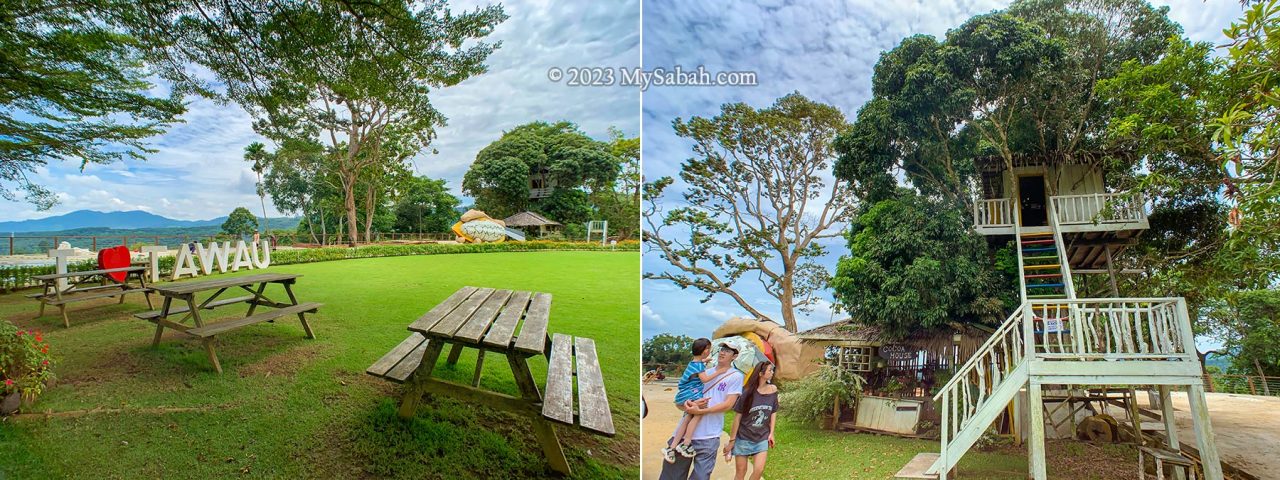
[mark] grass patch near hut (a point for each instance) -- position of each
(803, 450)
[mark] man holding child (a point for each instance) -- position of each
(718, 394)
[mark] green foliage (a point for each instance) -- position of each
(755, 205)
(620, 205)
(567, 158)
(425, 205)
(74, 87)
(811, 398)
(13, 277)
(308, 255)
(1249, 326)
(567, 206)
(667, 349)
(1249, 128)
(240, 222)
(25, 364)
(914, 264)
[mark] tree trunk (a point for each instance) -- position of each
(349, 201)
(1266, 390)
(788, 306)
(324, 231)
(266, 226)
(368, 213)
(311, 229)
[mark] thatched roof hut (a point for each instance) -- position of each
(862, 347)
(531, 222)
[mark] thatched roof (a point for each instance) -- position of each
(937, 340)
(529, 219)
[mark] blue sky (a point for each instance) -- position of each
(823, 49)
(199, 171)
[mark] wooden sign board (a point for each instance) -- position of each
(896, 353)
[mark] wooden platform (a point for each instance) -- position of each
(917, 466)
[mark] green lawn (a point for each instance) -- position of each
(287, 407)
(802, 450)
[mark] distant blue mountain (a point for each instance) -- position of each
(93, 219)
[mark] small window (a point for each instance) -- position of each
(854, 359)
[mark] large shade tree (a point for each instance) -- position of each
(352, 76)
(499, 178)
(756, 203)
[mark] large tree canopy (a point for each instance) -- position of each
(499, 177)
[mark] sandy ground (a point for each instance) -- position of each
(1245, 427)
(658, 426)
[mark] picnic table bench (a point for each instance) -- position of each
(486, 319)
(78, 291)
(185, 292)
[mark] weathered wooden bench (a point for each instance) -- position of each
(79, 292)
(487, 320)
(593, 404)
(185, 292)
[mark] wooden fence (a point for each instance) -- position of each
(18, 245)
(1243, 384)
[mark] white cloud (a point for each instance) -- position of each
(198, 170)
(650, 317)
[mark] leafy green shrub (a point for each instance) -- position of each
(812, 397)
(25, 364)
(19, 276)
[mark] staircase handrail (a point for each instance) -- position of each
(1061, 249)
(1017, 248)
(986, 347)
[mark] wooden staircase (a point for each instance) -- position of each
(1042, 272)
(1054, 338)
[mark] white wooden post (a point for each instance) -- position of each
(60, 265)
(153, 260)
(1170, 426)
(1036, 448)
(1204, 433)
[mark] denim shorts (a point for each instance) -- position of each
(747, 448)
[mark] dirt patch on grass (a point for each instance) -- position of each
(1083, 460)
(110, 366)
(287, 362)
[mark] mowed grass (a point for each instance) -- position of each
(803, 450)
(288, 407)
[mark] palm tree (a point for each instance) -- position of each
(256, 152)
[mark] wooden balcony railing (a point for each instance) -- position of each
(1099, 208)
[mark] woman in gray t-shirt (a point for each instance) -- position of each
(752, 432)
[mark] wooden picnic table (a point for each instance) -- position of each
(185, 292)
(78, 291)
(486, 319)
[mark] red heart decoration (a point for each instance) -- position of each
(115, 257)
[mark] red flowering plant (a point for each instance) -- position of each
(25, 364)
